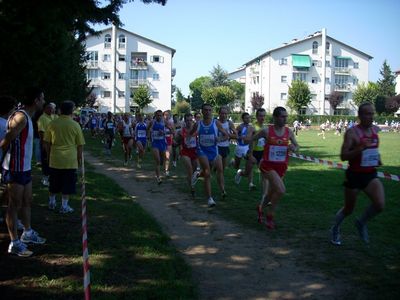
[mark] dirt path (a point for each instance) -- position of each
(228, 261)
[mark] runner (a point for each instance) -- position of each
(207, 152)
(360, 148)
(169, 133)
(140, 129)
(158, 141)
(177, 126)
(188, 148)
(275, 160)
(109, 132)
(223, 146)
(126, 131)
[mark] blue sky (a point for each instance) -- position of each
(231, 32)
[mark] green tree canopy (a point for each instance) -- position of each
(218, 96)
(179, 96)
(366, 93)
(387, 85)
(182, 107)
(299, 95)
(197, 87)
(257, 101)
(142, 96)
(219, 77)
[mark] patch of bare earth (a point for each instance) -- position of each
(227, 260)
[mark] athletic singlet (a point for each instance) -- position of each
(260, 143)
(109, 126)
(158, 131)
(225, 126)
(189, 142)
(276, 148)
(208, 135)
(241, 134)
(125, 129)
(19, 154)
(368, 159)
(141, 131)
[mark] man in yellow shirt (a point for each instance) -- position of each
(43, 122)
(64, 141)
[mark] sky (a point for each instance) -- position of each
(205, 33)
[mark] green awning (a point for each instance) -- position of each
(343, 57)
(301, 61)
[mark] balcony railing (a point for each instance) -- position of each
(138, 82)
(92, 64)
(339, 70)
(94, 82)
(142, 65)
(344, 87)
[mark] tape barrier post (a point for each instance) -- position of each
(336, 165)
(85, 251)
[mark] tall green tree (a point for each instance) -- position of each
(218, 96)
(42, 44)
(387, 84)
(197, 87)
(366, 93)
(299, 95)
(257, 101)
(182, 107)
(142, 96)
(179, 96)
(219, 77)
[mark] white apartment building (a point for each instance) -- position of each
(120, 61)
(326, 64)
(397, 73)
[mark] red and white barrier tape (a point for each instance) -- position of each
(336, 165)
(85, 251)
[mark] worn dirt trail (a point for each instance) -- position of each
(228, 261)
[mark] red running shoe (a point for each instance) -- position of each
(270, 223)
(260, 214)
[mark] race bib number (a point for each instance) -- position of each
(261, 142)
(157, 135)
(190, 142)
(141, 133)
(207, 140)
(277, 153)
(370, 158)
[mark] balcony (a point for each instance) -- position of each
(344, 87)
(342, 71)
(92, 64)
(134, 83)
(300, 70)
(173, 72)
(138, 65)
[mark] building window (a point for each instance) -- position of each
(107, 41)
(157, 59)
(121, 41)
(283, 79)
(156, 76)
(283, 96)
(92, 55)
(258, 79)
(355, 65)
(121, 94)
(316, 63)
(355, 81)
(328, 80)
(283, 61)
(341, 63)
(300, 76)
(106, 75)
(328, 46)
(315, 48)
(314, 79)
(121, 57)
(92, 74)
(107, 57)
(121, 76)
(155, 94)
(106, 94)
(328, 64)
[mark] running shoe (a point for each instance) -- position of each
(166, 173)
(252, 186)
(32, 237)
(159, 181)
(66, 209)
(52, 205)
(174, 164)
(270, 223)
(45, 180)
(211, 202)
(19, 248)
(259, 214)
(224, 194)
(362, 230)
(335, 236)
(195, 177)
(238, 176)
(138, 165)
(125, 163)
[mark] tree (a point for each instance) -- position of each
(142, 96)
(387, 85)
(182, 107)
(218, 96)
(44, 44)
(219, 77)
(257, 101)
(197, 87)
(179, 96)
(366, 93)
(335, 99)
(299, 95)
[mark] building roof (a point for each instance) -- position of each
(296, 41)
(137, 35)
(238, 70)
